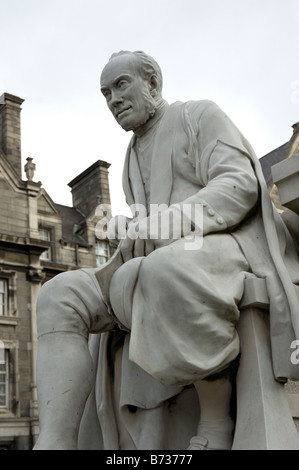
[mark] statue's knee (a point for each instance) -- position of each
(54, 290)
(57, 297)
(68, 302)
(152, 273)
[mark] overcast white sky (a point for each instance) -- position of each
(242, 54)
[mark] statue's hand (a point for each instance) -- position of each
(137, 242)
(155, 231)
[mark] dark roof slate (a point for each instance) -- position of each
(71, 218)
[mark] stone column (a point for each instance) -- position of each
(35, 276)
(32, 190)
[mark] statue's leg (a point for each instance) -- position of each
(182, 306)
(69, 307)
(216, 425)
(64, 381)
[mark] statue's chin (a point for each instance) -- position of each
(143, 122)
(127, 124)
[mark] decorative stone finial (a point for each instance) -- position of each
(29, 169)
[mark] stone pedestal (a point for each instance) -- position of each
(264, 419)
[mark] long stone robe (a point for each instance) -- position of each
(199, 157)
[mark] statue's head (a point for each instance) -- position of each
(132, 85)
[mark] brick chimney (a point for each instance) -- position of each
(91, 188)
(295, 128)
(10, 130)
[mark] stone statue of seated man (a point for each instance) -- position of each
(159, 370)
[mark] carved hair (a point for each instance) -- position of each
(148, 66)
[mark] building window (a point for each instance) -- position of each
(45, 234)
(3, 297)
(102, 252)
(4, 377)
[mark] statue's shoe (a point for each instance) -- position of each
(201, 443)
(198, 443)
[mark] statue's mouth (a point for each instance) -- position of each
(123, 111)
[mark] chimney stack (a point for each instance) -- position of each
(295, 128)
(91, 188)
(10, 130)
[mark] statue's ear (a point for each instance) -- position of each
(153, 85)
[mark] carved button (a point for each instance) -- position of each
(211, 212)
(220, 220)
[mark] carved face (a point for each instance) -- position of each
(127, 93)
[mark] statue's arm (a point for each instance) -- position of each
(224, 165)
(231, 192)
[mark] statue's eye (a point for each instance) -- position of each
(107, 94)
(122, 84)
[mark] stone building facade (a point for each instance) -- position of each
(38, 239)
